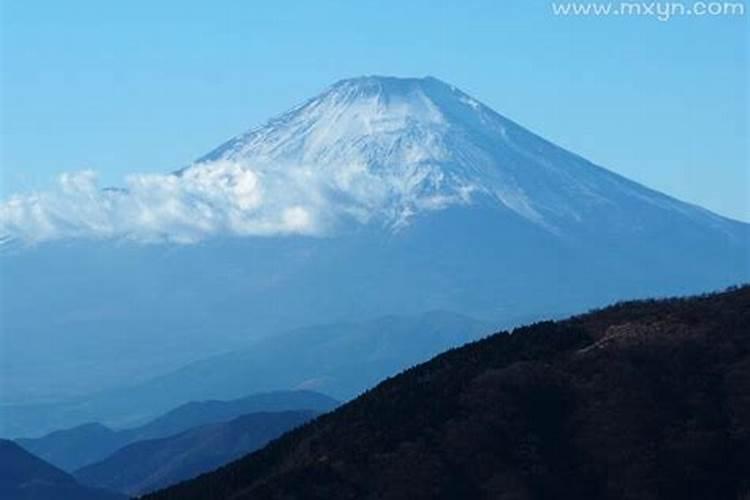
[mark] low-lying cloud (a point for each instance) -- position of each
(223, 198)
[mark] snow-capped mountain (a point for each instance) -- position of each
(396, 147)
(379, 196)
(367, 150)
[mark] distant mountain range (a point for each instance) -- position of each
(86, 444)
(26, 477)
(341, 359)
(379, 196)
(645, 399)
(148, 465)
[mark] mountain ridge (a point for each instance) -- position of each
(76, 447)
(642, 399)
(24, 476)
(144, 466)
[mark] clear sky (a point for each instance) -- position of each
(145, 86)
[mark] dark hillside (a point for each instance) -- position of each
(24, 476)
(642, 400)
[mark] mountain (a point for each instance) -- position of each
(26, 477)
(341, 359)
(146, 466)
(426, 145)
(85, 444)
(68, 449)
(379, 196)
(645, 399)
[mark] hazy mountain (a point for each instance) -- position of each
(152, 464)
(73, 448)
(640, 400)
(77, 446)
(379, 196)
(341, 359)
(26, 477)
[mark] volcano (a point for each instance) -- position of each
(380, 196)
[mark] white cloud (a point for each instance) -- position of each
(223, 198)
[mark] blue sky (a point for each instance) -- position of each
(139, 86)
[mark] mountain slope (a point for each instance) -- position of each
(379, 196)
(427, 145)
(74, 448)
(148, 465)
(341, 359)
(26, 477)
(71, 448)
(639, 400)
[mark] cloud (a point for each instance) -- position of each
(224, 198)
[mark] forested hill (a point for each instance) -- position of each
(642, 400)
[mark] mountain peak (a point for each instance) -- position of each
(396, 81)
(384, 90)
(375, 121)
(362, 115)
(391, 147)
(389, 85)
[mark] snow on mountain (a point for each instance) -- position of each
(400, 146)
(370, 149)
